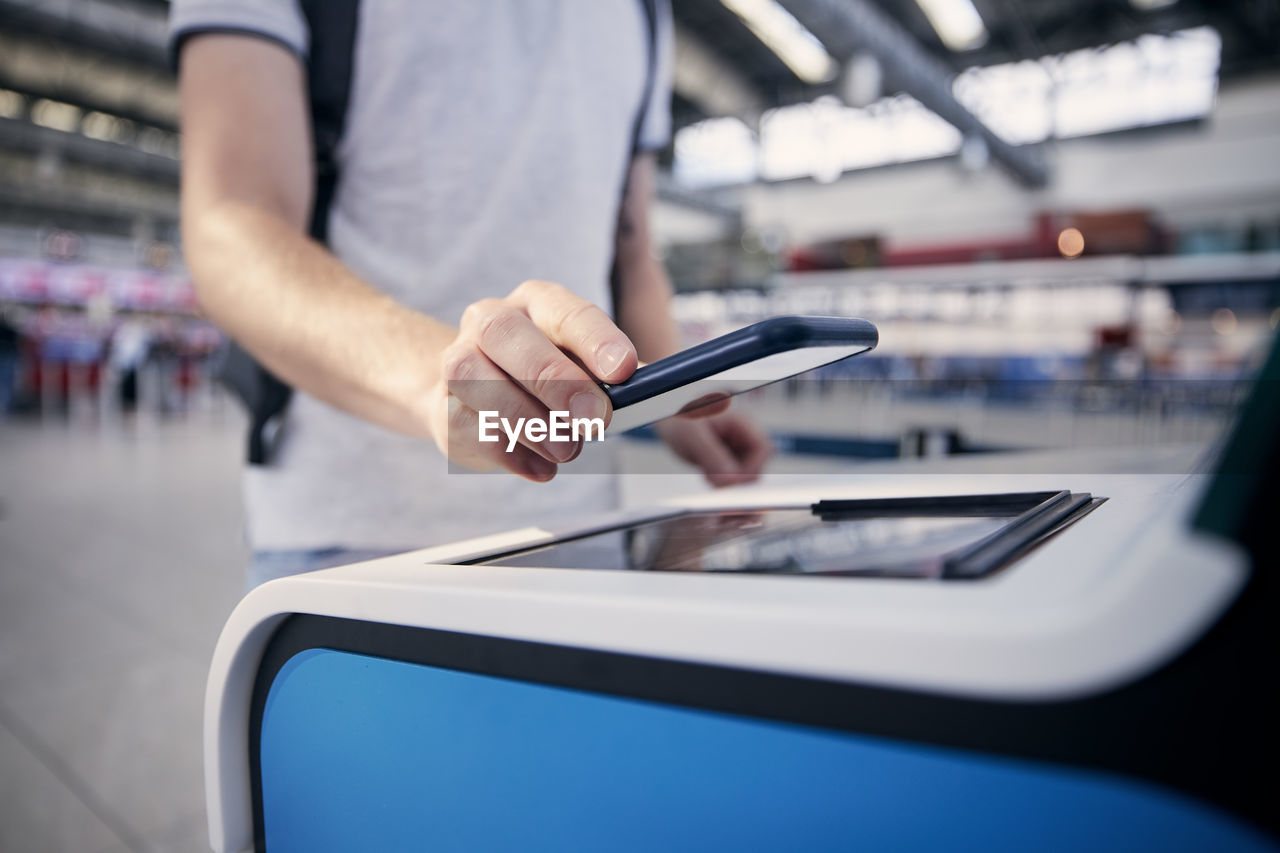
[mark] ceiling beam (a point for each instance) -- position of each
(130, 34)
(849, 26)
(28, 138)
(89, 103)
(64, 207)
(1022, 30)
(702, 77)
(40, 69)
(670, 191)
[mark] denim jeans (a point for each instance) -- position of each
(269, 565)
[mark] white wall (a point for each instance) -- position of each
(1224, 170)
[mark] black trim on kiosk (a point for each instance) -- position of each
(1033, 516)
(1201, 724)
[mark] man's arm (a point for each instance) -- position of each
(727, 448)
(246, 198)
(643, 293)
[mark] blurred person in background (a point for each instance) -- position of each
(129, 347)
(490, 177)
(163, 363)
(9, 354)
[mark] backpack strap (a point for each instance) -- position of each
(332, 25)
(637, 128)
(651, 73)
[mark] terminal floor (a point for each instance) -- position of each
(120, 558)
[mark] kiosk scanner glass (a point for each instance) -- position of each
(965, 536)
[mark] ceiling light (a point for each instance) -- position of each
(786, 37)
(956, 22)
(1151, 5)
(11, 104)
(55, 114)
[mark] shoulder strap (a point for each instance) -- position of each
(637, 128)
(651, 72)
(332, 25)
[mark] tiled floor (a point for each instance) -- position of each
(120, 558)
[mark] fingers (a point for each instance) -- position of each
(718, 464)
(749, 446)
(728, 450)
(700, 446)
(510, 340)
(578, 327)
(463, 448)
(481, 386)
(539, 350)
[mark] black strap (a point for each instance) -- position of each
(329, 69)
(332, 25)
(637, 128)
(651, 72)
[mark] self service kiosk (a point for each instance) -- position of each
(1072, 661)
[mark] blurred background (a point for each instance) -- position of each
(1063, 215)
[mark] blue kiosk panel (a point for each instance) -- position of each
(366, 753)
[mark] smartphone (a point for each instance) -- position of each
(761, 353)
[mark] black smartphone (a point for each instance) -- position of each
(761, 353)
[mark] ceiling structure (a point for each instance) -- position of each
(88, 117)
(1017, 29)
(85, 85)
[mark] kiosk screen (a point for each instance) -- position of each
(953, 537)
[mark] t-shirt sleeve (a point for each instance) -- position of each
(655, 130)
(280, 21)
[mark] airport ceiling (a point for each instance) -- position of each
(1018, 29)
(131, 49)
(106, 60)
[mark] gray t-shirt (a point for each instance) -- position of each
(486, 144)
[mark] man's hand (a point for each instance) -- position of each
(246, 198)
(728, 448)
(532, 352)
